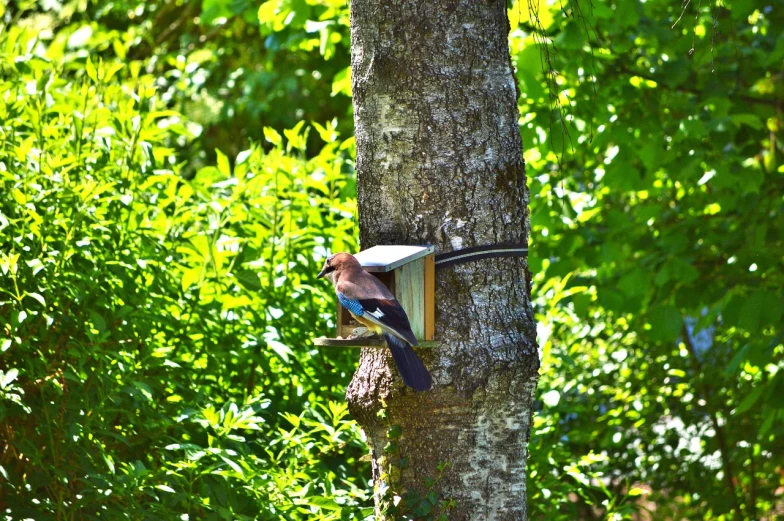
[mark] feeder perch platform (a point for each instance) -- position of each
(363, 342)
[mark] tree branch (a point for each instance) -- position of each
(647, 76)
(706, 392)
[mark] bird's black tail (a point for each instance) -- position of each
(411, 368)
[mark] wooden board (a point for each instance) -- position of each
(410, 292)
(361, 342)
(346, 329)
(430, 297)
(388, 258)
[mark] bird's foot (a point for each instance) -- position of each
(361, 332)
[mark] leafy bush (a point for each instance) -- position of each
(658, 249)
(217, 62)
(156, 357)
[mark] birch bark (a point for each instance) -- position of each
(439, 160)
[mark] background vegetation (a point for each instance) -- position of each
(172, 174)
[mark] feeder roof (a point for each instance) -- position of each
(381, 259)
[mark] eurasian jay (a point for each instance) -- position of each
(372, 304)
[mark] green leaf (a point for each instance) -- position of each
(243, 156)
(570, 37)
(626, 13)
(223, 163)
(747, 119)
(233, 465)
(202, 245)
(109, 463)
(212, 10)
(207, 177)
(666, 324)
(249, 279)
(97, 321)
(740, 357)
(394, 432)
(760, 309)
(635, 283)
(19, 196)
(190, 277)
(267, 10)
(7, 377)
(91, 71)
(324, 503)
(282, 350)
(750, 400)
(38, 297)
(144, 388)
(341, 84)
(272, 136)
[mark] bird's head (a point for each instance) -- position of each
(339, 262)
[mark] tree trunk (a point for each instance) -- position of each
(439, 160)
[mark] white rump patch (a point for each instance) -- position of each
(377, 313)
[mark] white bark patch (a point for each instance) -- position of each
(494, 471)
(457, 242)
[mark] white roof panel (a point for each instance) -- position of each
(380, 259)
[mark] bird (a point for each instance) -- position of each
(372, 304)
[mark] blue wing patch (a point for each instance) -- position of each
(352, 305)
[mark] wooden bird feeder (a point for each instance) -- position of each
(409, 273)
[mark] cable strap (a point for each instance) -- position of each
(481, 252)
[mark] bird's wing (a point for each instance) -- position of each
(386, 313)
(362, 285)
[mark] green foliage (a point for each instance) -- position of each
(156, 330)
(654, 158)
(394, 503)
(216, 62)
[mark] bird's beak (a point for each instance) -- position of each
(323, 273)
